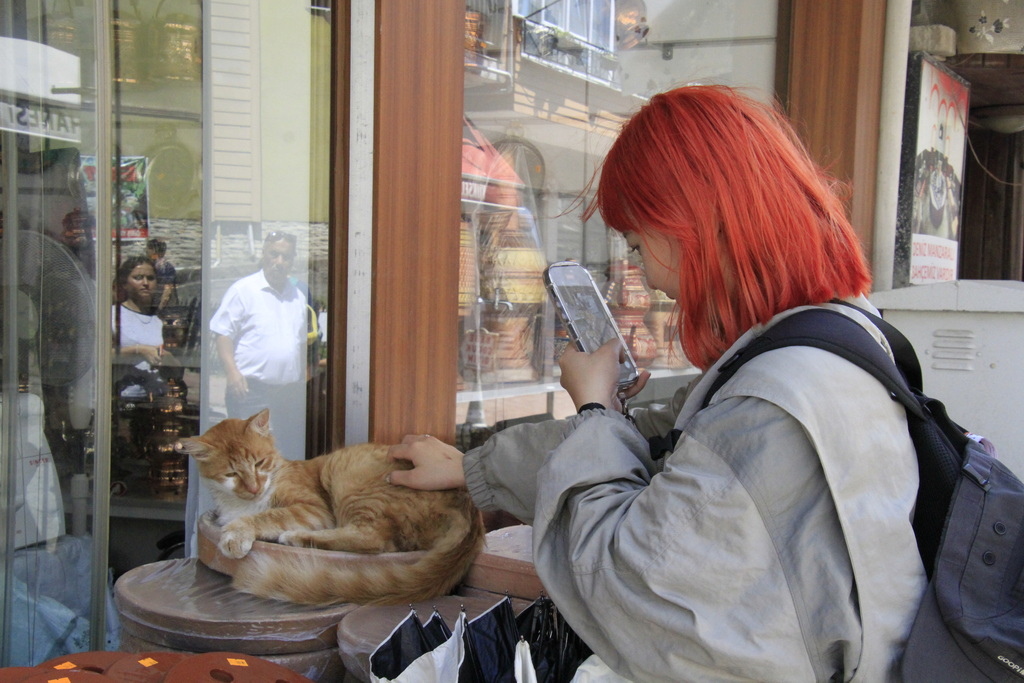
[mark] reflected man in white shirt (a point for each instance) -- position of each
(261, 328)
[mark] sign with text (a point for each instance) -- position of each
(41, 120)
(931, 174)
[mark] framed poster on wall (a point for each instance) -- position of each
(132, 187)
(931, 173)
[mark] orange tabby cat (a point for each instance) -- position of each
(338, 501)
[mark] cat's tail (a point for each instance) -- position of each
(315, 580)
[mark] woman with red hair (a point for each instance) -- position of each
(774, 542)
(725, 180)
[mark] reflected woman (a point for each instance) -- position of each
(138, 329)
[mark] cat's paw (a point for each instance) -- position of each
(236, 542)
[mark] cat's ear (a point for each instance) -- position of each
(197, 449)
(260, 422)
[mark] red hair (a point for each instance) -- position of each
(759, 226)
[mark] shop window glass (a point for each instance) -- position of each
(207, 162)
(547, 86)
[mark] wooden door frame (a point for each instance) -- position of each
(337, 255)
(833, 94)
(417, 167)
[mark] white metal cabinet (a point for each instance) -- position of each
(967, 334)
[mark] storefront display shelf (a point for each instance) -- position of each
(146, 505)
(485, 72)
(478, 204)
(171, 100)
(496, 391)
(509, 390)
(169, 114)
(140, 503)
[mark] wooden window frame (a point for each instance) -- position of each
(833, 94)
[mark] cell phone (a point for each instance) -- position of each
(585, 315)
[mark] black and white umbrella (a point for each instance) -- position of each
(537, 646)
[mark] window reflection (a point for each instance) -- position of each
(156, 124)
(263, 325)
(49, 321)
(548, 84)
(209, 155)
(149, 390)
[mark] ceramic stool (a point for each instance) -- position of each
(154, 667)
(184, 606)
(144, 667)
(231, 666)
(505, 566)
(96, 661)
(74, 676)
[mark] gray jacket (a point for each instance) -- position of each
(774, 544)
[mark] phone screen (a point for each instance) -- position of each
(593, 327)
(585, 314)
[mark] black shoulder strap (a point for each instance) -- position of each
(832, 331)
(902, 349)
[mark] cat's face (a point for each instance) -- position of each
(235, 457)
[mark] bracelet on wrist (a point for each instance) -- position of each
(590, 406)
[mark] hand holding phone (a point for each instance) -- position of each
(585, 315)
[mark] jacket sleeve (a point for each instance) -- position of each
(660, 420)
(502, 473)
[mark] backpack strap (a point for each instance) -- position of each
(832, 331)
(902, 349)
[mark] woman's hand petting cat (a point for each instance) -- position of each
(436, 466)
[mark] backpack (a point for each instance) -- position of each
(968, 519)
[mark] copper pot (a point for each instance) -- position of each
(128, 56)
(179, 49)
(474, 31)
(469, 284)
(512, 270)
(168, 405)
(176, 326)
(642, 343)
(176, 388)
(626, 288)
(168, 474)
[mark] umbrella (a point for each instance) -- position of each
(491, 640)
(555, 648)
(537, 646)
(436, 631)
(404, 656)
(406, 643)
